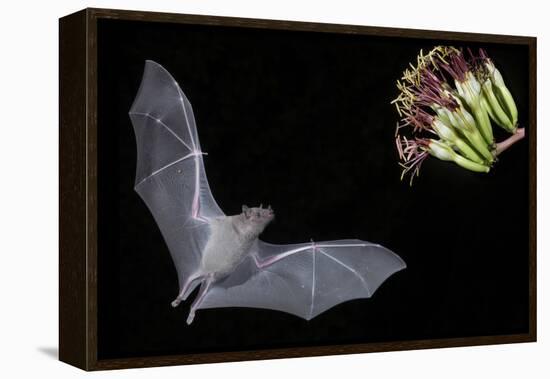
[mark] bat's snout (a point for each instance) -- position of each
(267, 212)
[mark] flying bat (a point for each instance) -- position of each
(223, 254)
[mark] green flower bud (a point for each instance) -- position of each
(443, 151)
(446, 133)
(465, 124)
(502, 93)
(494, 107)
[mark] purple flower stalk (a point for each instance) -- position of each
(412, 153)
(457, 66)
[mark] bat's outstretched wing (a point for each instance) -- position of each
(170, 174)
(305, 279)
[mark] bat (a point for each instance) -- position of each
(223, 254)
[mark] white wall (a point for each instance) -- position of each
(28, 186)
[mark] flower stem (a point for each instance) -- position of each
(504, 145)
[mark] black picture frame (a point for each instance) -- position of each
(81, 181)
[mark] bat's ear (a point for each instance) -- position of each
(246, 210)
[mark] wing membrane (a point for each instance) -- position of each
(170, 175)
(306, 279)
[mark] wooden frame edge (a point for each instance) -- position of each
(532, 45)
(72, 190)
(316, 351)
(135, 15)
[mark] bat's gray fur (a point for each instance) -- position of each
(231, 240)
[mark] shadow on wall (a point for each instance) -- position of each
(50, 351)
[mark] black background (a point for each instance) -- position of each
(302, 120)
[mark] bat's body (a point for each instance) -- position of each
(230, 242)
(227, 246)
(232, 238)
(223, 254)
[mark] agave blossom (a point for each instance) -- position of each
(446, 103)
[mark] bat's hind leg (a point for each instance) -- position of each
(205, 286)
(188, 287)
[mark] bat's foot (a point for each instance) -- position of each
(198, 300)
(191, 317)
(176, 302)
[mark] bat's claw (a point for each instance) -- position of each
(191, 317)
(176, 302)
